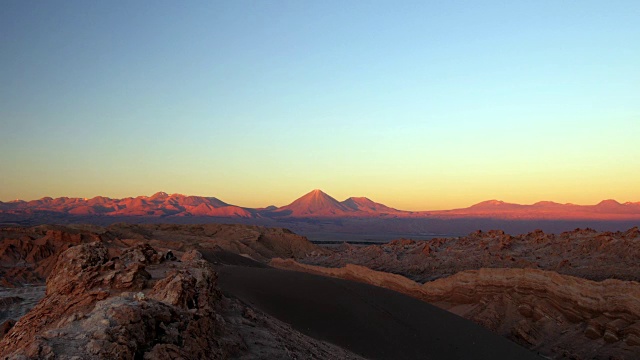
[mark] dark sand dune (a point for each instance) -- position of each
(222, 257)
(368, 320)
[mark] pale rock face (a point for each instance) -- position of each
(89, 302)
(191, 255)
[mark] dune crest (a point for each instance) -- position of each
(541, 310)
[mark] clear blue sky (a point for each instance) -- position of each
(420, 105)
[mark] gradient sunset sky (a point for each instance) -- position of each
(419, 105)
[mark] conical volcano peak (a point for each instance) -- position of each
(316, 196)
(316, 202)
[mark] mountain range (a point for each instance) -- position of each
(315, 204)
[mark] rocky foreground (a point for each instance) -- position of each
(144, 304)
(559, 295)
(28, 255)
(150, 291)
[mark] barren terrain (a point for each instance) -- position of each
(153, 291)
(574, 294)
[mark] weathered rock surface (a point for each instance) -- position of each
(15, 302)
(107, 276)
(257, 242)
(583, 253)
(139, 306)
(27, 255)
(556, 315)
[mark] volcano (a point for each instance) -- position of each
(315, 203)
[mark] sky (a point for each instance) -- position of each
(420, 105)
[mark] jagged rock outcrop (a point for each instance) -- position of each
(27, 255)
(15, 302)
(79, 285)
(136, 268)
(583, 253)
(139, 305)
(556, 315)
(258, 242)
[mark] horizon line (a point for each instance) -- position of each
(317, 190)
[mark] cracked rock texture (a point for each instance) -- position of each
(140, 306)
(582, 253)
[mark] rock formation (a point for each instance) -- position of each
(107, 286)
(139, 305)
(27, 255)
(583, 253)
(260, 243)
(556, 315)
(15, 302)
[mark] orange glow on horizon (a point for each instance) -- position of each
(398, 201)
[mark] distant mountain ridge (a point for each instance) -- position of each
(159, 204)
(315, 204)
(604, 210)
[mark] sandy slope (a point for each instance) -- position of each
(374, 322)
(556, 315)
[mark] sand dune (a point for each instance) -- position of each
(374, 322)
